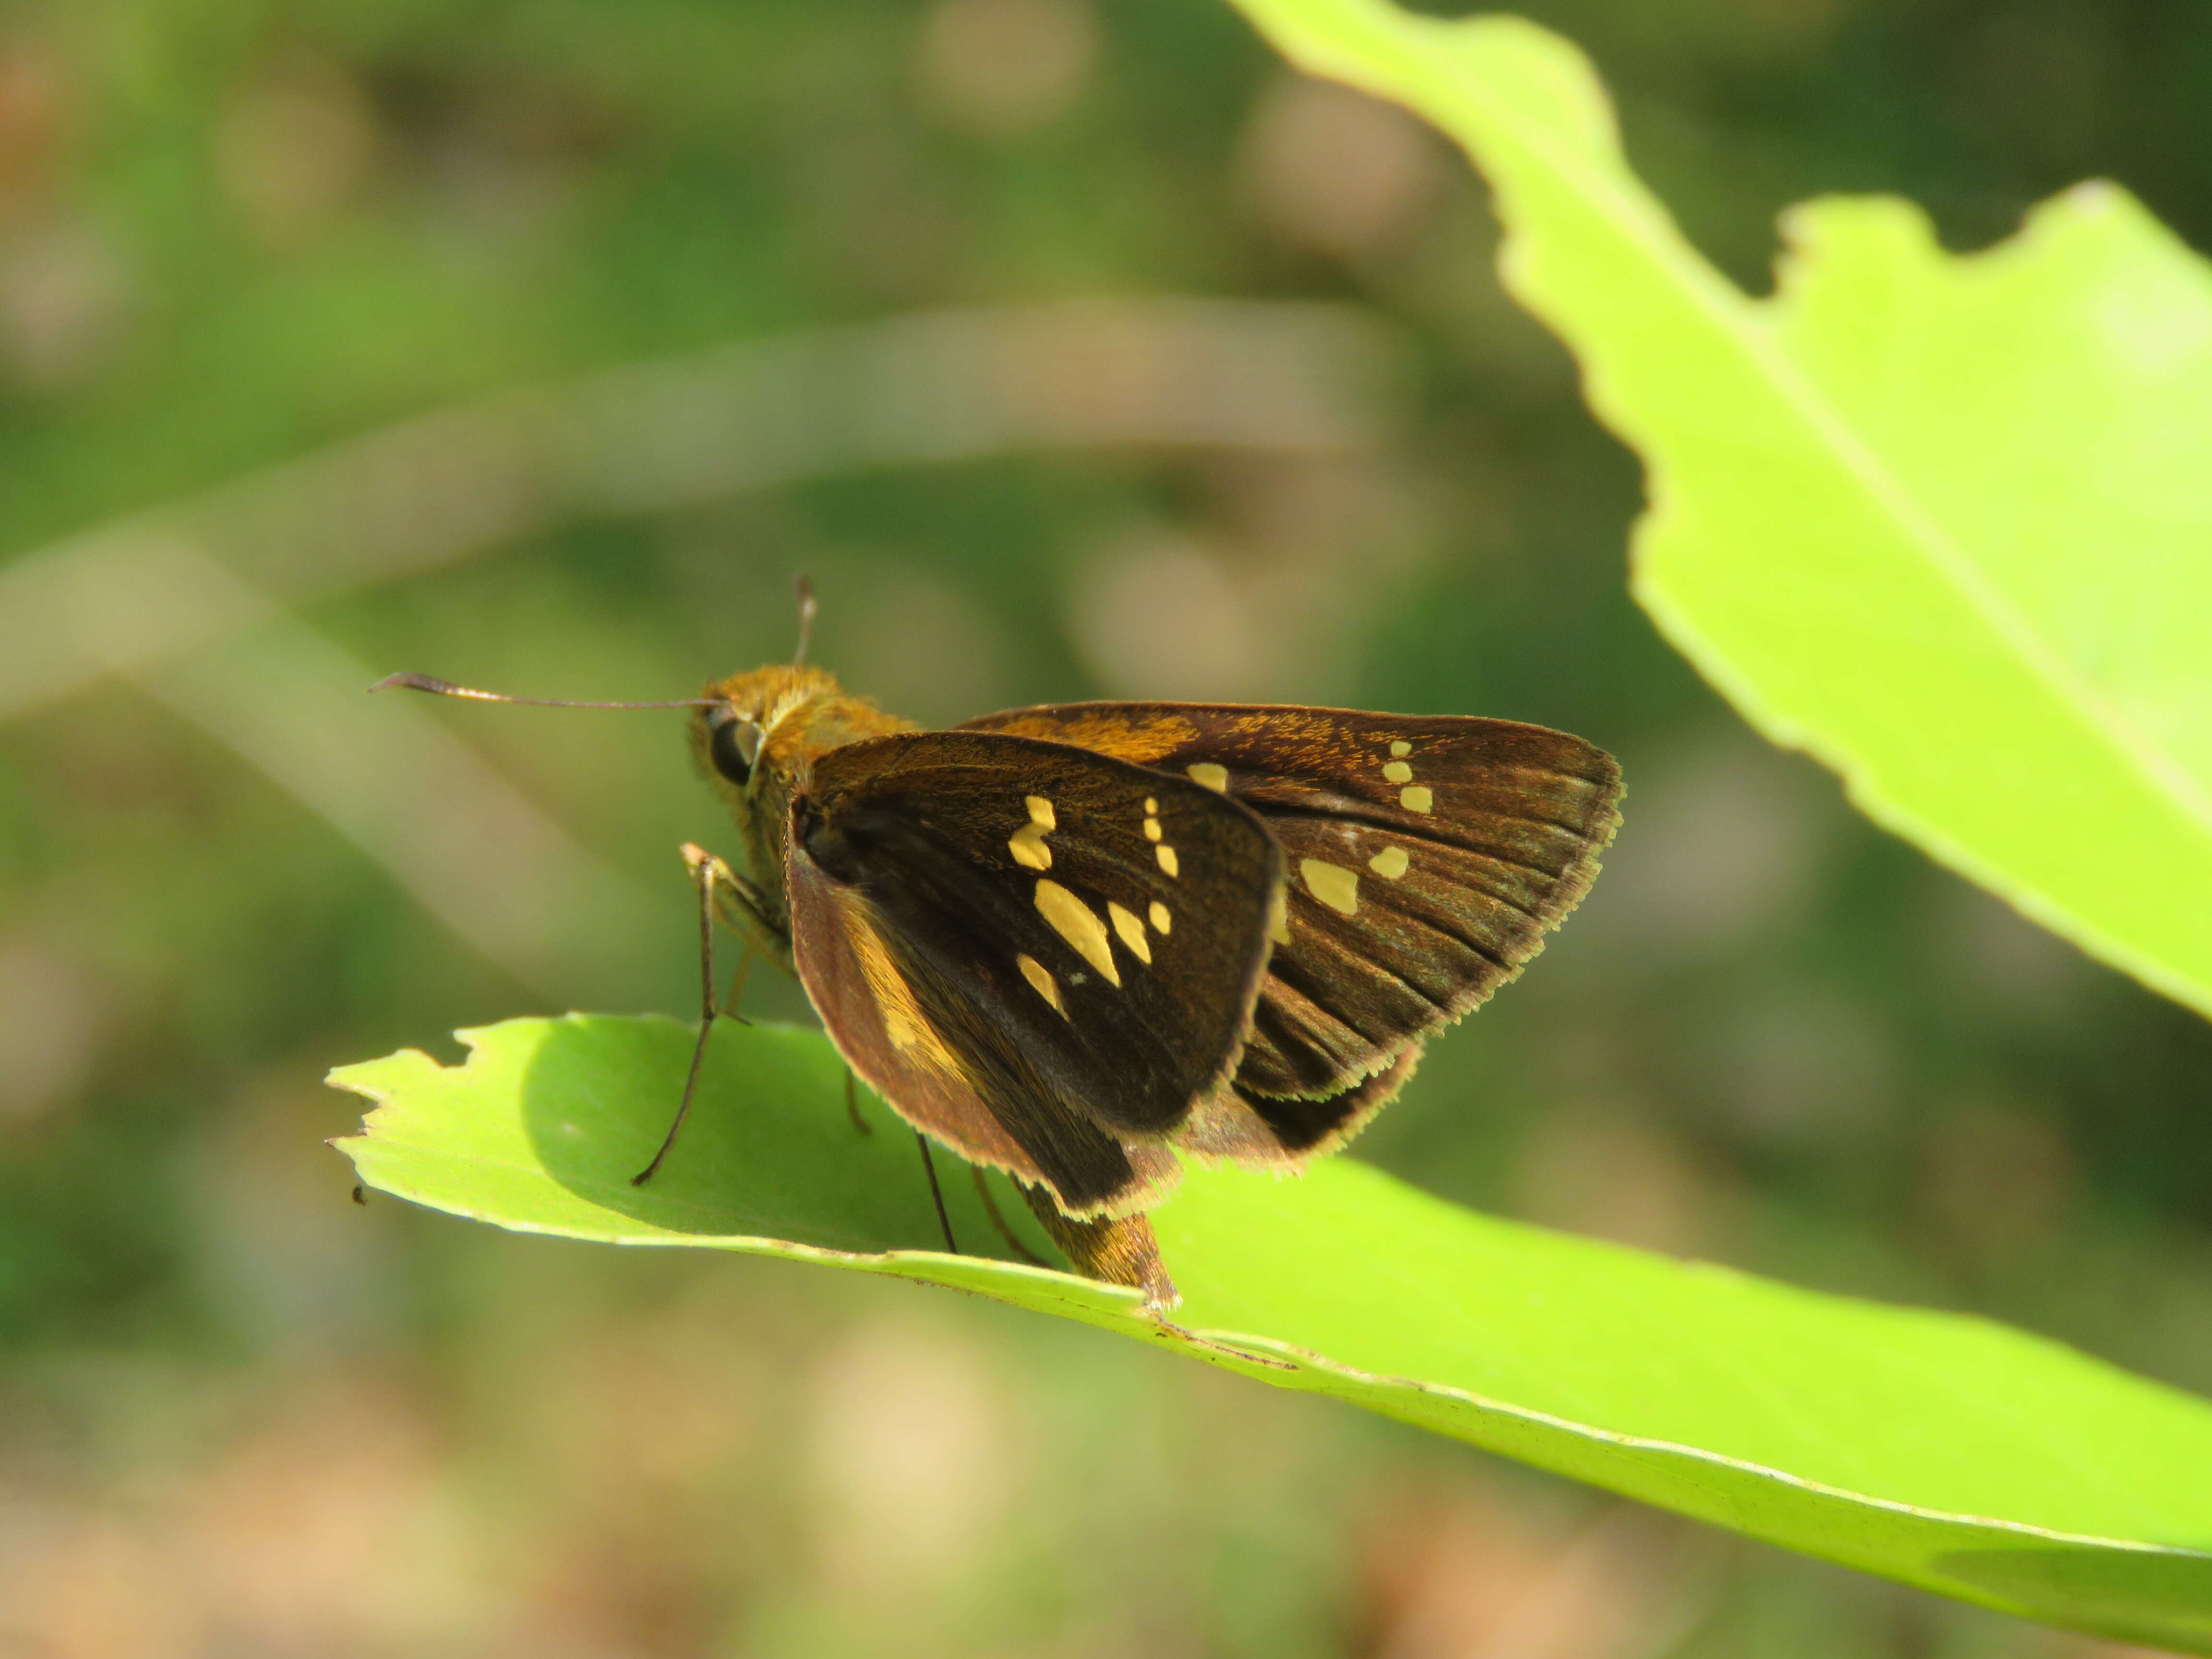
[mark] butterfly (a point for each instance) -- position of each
(1072, 941)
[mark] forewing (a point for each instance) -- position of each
(1058, 946)
(1426, 858)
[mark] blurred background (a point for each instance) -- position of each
(1076, 348)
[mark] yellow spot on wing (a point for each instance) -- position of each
(1131, 931)
(1151, 805)
(1332, 883)
(1167, 861)
(1390, 863)
(1162, 921)
(1397, 771)
(1027, 843)
(1152, 829)
(1402, 747)
(1418, 798)
(1041, 982)
(1074, 921)
(1278, 915)
(1205, 772)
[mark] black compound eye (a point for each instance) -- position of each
(733, 745)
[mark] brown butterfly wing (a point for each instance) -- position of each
(1426, 858)
(1043, 956)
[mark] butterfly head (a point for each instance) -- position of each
(747, 715)
(756, 736)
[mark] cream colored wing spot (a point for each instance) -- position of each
(1162, 923)
(1332, 883)
(1167, 861)
(1132, 932)
(1278, 914)
(1027, 843)
(1390, 863)
(1041, 982)
(1397, 772)
(1152, 829)
(1152, 805)
(1418, 798)
(1076, 922)
(1214, 777)
(1401, 748)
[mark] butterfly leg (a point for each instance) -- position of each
(853, 1104)
(707, 872)
(936, 1192)
(739, 907)
(998, 1220)
(738, 986)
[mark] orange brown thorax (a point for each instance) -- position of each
(758, 740)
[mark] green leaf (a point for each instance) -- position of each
(1949, 1452)
(1945, 522)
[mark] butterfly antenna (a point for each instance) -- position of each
(447, 688)
(806, 590)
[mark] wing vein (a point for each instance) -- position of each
(1396, 827)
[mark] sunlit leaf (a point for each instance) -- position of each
(1949, 1452)
(1945, 522)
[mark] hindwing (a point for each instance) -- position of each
(1043, 956)
(1425, 859)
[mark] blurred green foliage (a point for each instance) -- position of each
(238, 1413)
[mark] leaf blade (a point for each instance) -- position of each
(1939, 521)
(1864, 1434)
